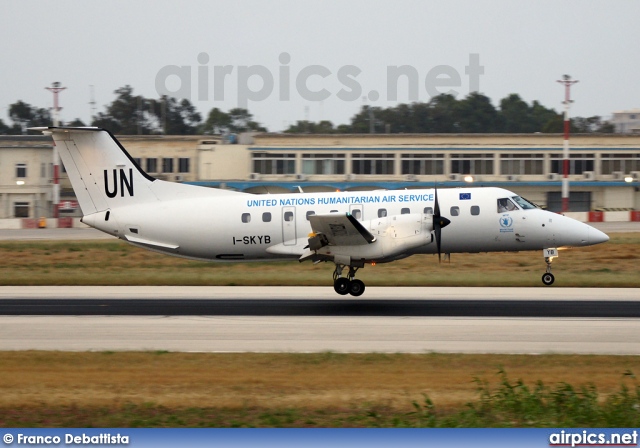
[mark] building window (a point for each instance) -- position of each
(375, 164)
(624, 163)
(21, 170)
(271, 163)
(472, 163)
(579, 201)
(21, 209)
(246, 217)
(323, 163)
(167, 165)
(578, 163)
(138, 161)
(152, 165)
(420, 164)
(522, 164)
(183, 165)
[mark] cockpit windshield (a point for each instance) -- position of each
(523, 203)
(506, 205)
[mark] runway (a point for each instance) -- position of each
(237, 319)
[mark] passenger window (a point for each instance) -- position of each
(246, 217)
(475, 210)
(405, 211)
(310, 213)
(455, 211)
(505, 205)
(266, 217)
(288, 216)
(333, 211)
(356, 213)
(428, 211)
(382, 212)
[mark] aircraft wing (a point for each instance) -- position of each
(341, 229)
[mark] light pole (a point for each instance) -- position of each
(567, 82)
(56, 89)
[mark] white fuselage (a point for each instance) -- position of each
(242, 226)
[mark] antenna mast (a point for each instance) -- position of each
(56, 89)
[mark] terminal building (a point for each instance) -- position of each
(605, 168)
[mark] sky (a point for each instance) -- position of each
(292, 60)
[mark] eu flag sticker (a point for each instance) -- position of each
(465, 196)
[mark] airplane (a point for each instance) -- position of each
(348, 229)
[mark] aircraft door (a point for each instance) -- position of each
(289, 226)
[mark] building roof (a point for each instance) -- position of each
(448, 140)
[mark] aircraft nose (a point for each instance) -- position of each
(596, 236)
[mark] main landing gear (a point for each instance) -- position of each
(349, 284)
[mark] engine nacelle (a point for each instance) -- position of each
(395, 235)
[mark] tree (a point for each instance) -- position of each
(76, 123)
(541, 116)
(24, 115)
(360, 123)
(309, 127)
(134, 114)
(607, 128)
(4, 129)
(126, 114)
(476, 114)
(173, 117)
(217, 122)
(443, 113)
(242, 121)
(554, 125)
(591, 125)
(515, 115)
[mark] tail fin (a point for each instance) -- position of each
(102, 173)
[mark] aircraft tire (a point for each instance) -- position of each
(342, 286)
(548, 278)
(356, 288)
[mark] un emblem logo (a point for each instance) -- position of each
(506, 221)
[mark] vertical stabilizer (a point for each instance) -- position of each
(102, 173)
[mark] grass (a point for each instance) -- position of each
(613, 264)
(161, 389)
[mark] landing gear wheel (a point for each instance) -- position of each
(356, 288)
(342, 286)
(548, 278)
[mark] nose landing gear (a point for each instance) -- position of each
(547, 277)
(347, 285)
(549, 255)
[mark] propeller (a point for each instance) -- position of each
(439, 222)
